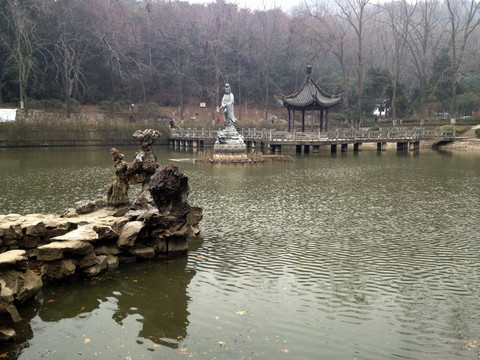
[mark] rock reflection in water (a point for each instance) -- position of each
(142, 308)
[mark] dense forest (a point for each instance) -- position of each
(416, 58)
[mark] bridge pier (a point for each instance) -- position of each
(356, 147)
(344, 147)
(275, 148)
(401, 146)
(381, 146)
(316, 148)
(250, 144)
(333, 148)
(414, 145)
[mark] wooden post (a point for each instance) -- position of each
(414, 145)
(289, 119)
(326, 120)
(311, 121)
(292, 119)
(321, 120)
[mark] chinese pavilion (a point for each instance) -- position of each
(309, 97)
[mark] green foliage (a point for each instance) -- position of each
(113, 106)
(467, 103)
(353, 113)
(403, 106)
(55, 130)
(440, 85)
(378, 89)
(52, 104)
(447, 127)
(477, 132)
(73, 102)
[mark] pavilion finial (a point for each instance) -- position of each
(309, 70)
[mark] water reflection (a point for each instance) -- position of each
(367, 256)
(144, 306)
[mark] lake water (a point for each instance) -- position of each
(345, 256)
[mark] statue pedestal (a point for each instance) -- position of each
(229, 141)
(231, 147)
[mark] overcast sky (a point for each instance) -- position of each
(286, 5)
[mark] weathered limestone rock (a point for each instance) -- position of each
(138, 171)
(17, 284)
(7, 334)
(99, 267)
(177, 244)
(57, 249)
(60, 269)
(169, 189)
(111, 249)
(93, 237)
(83, 233)
(14, 259)
(129, 234)
(35, 229)
(8, 312)
(112, 262)
(15, 276)
(117, 191)
(86, 261)
(23, 284)
(13, 232)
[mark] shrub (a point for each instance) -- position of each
(33, 104)
(72, 102)
(105, 105)
(447, 127)
(52, 103)
(477, 132)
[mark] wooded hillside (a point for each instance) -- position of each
(416, 58)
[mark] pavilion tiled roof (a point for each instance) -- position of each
(309, 96)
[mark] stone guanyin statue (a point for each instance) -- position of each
(227, 107)
(229, 140)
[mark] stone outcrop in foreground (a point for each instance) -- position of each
(90, 239)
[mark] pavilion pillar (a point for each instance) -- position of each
(326, 120)
(303, 120)
(321, 120)
(289, 119)
(311, 121)
(293, 120)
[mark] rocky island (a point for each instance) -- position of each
(98, 235)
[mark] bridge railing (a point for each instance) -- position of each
(338, 134)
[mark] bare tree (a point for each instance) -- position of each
(19, 40)
(331, 35)
(268, 31)
(398, 20)
(464, 18)
(354, 12)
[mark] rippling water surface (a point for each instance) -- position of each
(368, 256)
